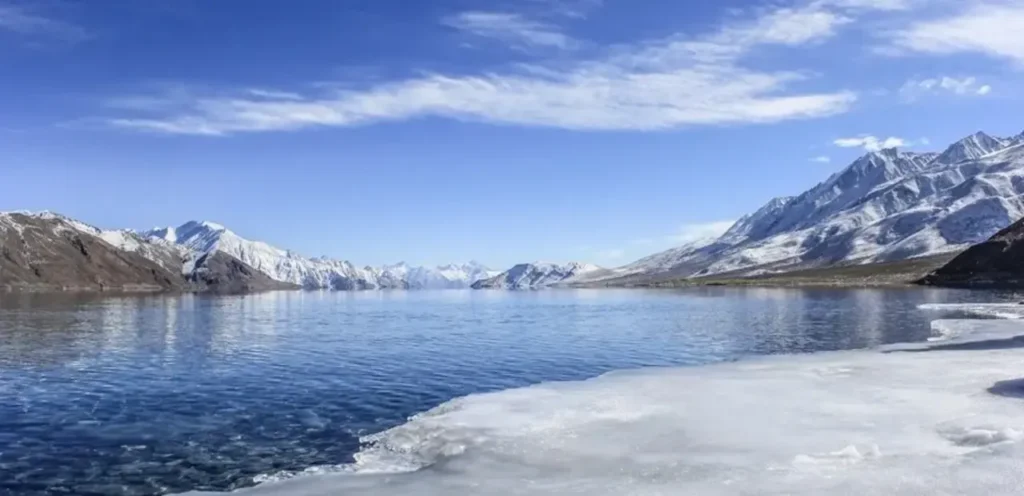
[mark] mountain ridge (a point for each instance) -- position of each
(50, 252)
(316, 273)
(886, 205)
(537, 275)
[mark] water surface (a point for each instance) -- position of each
(163, 394)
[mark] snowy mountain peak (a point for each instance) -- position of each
(212, 226)
(971, 147)
(168, 234)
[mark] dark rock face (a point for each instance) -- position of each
(996, 263)
(43, 255)
(221, 273)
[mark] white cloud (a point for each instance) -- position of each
(989, 28)
(872, 4)
(822, 159)
(21, 20)
(571, 8)
(915, 88)
(510, 28)
(664, 84)
(274, 94)
(872, 143)
(690, 233)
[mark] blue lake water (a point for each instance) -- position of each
(165, 394)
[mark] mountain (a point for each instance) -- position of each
(221, 273)
(885, 206)
(443, 277)
(995, 263)
(972, 147)
(538, 275)
(50, 252)
(757, 224)
(314, 273)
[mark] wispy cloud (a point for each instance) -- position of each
(872, 143)
(968, 86)
(571, 8)
(679, 81)
(514, 29)
(822, 159)
(274, 94)
(873, 4)
(991, 28)
(26, 21)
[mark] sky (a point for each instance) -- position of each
(501, 131)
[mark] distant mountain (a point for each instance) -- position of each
(885, 206)
(314, 273)
(995, 263)
(443, 277)
(538, 275)
(50, 252)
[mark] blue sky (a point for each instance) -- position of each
(502, 131)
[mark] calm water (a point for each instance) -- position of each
(155, 395)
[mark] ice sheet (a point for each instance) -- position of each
(932, 422)
(985, 310)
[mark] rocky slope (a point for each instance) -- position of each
(314, 273)
(219, 272)
(539, 275)
(50, 252)
(885, 206)
(995, 263)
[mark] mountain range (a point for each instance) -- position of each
(315, 273)
(47, 251)
(541, 274)
(887, 205)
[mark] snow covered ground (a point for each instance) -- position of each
(946, 418)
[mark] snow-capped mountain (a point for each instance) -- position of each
(757, 223)
(50, 252)
(972, 147)
(315, 273)
(443, 277)
(539, 275)
(887, 205)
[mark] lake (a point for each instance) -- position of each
(167, 394)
